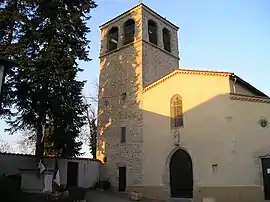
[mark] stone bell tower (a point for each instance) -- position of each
(137, 48)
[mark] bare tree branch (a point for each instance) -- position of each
(5, 146)
(27, 143)
(90, 134)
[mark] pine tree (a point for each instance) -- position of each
(45, 90)
(11, 22)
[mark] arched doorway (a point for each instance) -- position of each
(181, 175)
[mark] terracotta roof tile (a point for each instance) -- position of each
(50, 157)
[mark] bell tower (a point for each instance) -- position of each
(138, 47)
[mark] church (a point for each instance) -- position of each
(168, 132)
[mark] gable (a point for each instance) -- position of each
(187, 73)
(236, 84)
(241, 87)
(195, 89)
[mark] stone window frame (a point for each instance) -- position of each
(112, 38)
(166, 38)
(129, 31)
(176, 111)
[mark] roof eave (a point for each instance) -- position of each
(141, 4)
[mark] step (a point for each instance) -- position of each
(180, 200)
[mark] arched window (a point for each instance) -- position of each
(166, 39)
(176, 111)
(113, 39)
(152, 31)
(129, 31)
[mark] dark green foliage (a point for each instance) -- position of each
(48, 38)
(92, 124)
(93, 138)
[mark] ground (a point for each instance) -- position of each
(94, 196)
(91, 196)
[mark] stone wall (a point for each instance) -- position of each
(158, 62)
(127, 70)
(120, 73)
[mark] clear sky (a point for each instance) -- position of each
(223, 35)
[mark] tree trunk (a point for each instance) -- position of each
(41, 127)
(39, 144)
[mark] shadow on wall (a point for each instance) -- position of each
(219, 132)
(222, 137)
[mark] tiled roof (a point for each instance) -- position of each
(144, 6)
(249, 98)
(50, 157)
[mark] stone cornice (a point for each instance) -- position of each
(249, 98)
(121, 16)
(186, 71)
(141, 5)
(134, 43)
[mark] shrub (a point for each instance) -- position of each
(62, 188)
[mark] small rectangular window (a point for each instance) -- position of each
(214, 168)
(123, 96)
(123, 134)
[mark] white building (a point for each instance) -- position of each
(82, 172)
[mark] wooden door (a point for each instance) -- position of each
(181, 175)
(266, 177)
(122, 179)
(72, 174)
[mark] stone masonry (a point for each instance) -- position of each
(126, 71)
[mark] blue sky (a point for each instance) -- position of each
(231, 35)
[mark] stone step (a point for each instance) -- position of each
(180, 200)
